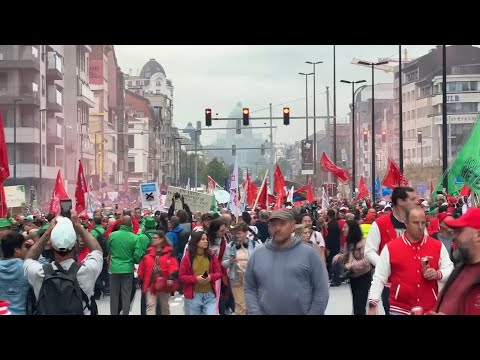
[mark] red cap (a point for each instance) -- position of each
(451, 200)
(84, 216)
(470, 219)
(444, 215)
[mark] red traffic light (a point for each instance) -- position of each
(208, 117)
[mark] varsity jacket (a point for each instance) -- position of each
(400, 262)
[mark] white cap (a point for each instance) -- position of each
(382, 203)
(388, 206)
(425, 203)
(63, 236)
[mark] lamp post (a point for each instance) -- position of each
(15, 139)
(372, 64)
(420, 141)
(306, 110)
(353, 129)
(314, 125)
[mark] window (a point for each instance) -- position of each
(59, 156)
(131, 126)
(158, 83)
(473, 86)
(129, 83)
(131, 164)
(451, 86)
(131, 141)
(43, 85)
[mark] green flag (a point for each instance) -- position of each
(466, 167)
(214, 203)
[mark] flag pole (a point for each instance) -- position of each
(261, 189)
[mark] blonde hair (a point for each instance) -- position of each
(299, 229)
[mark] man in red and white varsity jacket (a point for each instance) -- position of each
(413, 283)
(388, 228)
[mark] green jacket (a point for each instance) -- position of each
(121, 245)
(97, 230)
(143, 242)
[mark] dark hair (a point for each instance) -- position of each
(354, 234)
(11, 240)
(331, 214)
(401, 193)
(163, 225)
(442, 209)
(194, 240)
(50, 217)
(175, 221)
(214, 227)
(98, 220)
(162, 235)
(39, 222)
(158, 213)
(356, 214)
(303, 215)
(416, 207)
(241, 227)
(246, 217)
(183, 216)
(137, 208)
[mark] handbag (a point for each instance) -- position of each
(159, 281)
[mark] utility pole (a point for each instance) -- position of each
(271, 148)
(196, 159)
(444, 119)
(328, 128)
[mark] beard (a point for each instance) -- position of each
(462, 254)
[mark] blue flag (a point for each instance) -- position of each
(377, 186)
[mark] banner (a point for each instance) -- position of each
(196, 201)
(15, 196)
(150, 196)
(307, 157)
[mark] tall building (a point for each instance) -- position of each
(152, 83)
(422, 102)
(31, 101)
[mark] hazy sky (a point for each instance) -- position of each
(219, 76)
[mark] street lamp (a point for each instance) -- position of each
(15, 139)
(373, 64)
(419, 140)
(306, 108)
(353, 128)
(314, 125)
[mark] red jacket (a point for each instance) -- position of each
(387, 231)
(167, 262)
(409, 287)
(189, 279)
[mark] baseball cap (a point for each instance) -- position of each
(63, 236)
(29, 218)
(150, 222)
(208, 215)
(382, 203)
(425, 203)
(443, 216)
(4, 223)
(84, 216)
(470, 219)
(282, 215)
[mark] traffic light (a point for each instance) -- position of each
(33, 195)
(234, 150)
(208, 117)
(246, 116)
(384, 136)
(262, 149)
(365, 135)
(286, 116)
(419, 136)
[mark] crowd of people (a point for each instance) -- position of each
(407, 253)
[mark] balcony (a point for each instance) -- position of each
(8, 60)
(29, 94)
(54, 132)
(84, 94)
(54, 99)
(54, 67)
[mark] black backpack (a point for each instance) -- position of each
(61, 294)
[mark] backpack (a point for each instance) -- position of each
(61, 294)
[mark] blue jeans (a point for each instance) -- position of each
(201, 304)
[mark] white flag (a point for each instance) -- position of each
(233, 189)
(188, 184)
(324, 199)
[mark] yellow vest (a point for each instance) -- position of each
(365, 229)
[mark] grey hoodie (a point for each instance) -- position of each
(287, 281)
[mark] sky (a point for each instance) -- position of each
(219, 76)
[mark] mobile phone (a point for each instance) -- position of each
(205, 275)
(439, 192)
(65, 207)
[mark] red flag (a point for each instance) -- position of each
(310, 192)
(328, 166)
(211, 183)
(431, 189)
(81, 190)
(58, 194)
(3, 203)
(362, 189)
(263, 198)
(4, 168)
(465, 191)
(279, 182)
(394, 177)
(252, 192)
